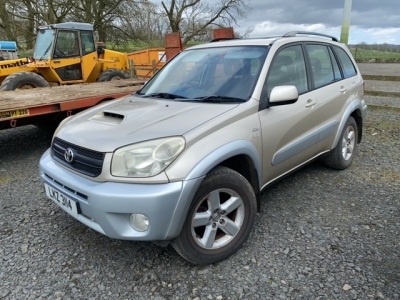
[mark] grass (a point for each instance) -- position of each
(381, 56)
(382, 77)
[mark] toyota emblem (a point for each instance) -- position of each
(69, 155)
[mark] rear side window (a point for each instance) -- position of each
(336, 70)
(349, 68)
(322, 66)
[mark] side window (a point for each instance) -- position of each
(322, 70)
(288, 68)
(88, 45)
(349, 69)
(67, 44)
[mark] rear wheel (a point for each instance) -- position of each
(342, 155)
(23, 80)
(220, 218)
(112, 74)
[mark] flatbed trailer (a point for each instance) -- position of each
(51, 105)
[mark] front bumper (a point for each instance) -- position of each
(107, 206)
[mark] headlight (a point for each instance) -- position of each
(146, 159)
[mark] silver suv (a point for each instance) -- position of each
(185, 159)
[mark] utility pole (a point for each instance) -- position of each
(344, 35)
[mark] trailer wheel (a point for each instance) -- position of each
(23, 80)
(111, 74)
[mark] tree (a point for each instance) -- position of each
(192, 18)
(6, 31)
(141, 23)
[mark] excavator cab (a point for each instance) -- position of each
(66, 53)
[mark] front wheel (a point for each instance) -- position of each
(23, 80)
(111, 74)
(220, 218)
(342, 155)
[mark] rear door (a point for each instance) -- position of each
(333, 79)
(326, 86)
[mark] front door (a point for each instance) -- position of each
(289, 132)
(67, 56)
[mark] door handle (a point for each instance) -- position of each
(343, 90)
(310, 103)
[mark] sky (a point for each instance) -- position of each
(371, 21)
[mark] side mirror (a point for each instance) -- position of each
(284, 94)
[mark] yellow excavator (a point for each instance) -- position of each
(65, 53)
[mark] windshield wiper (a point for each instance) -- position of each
(218, 99)
(164, 95)
(46, 51)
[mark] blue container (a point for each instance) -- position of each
(8, 46)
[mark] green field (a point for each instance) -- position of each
(378, 56)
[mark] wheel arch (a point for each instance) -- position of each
(241, 156)
(359, 120)
(357, 110)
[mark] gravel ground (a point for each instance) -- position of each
(321, 234)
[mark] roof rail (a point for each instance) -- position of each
(295, 33)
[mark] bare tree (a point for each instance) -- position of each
(20, 18)
(141, 22)
(6, 28)
(106, 15)
(192, 17)
(24, 16)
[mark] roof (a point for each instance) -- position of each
(70, 25)
(263, 41)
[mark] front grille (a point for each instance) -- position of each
(84, 160)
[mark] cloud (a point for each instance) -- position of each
(357, 34)
(371, 21)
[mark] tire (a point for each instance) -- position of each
(23, 80)
(205, 237)
(112, 74)
(342, 155)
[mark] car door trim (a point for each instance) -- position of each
(295, 147)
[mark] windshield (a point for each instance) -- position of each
(225, 74)
(43, 45)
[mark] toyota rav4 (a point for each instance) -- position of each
(185, 159)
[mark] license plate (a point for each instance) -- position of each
(67, 204)
(14, 113)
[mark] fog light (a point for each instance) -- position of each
(139, 222)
